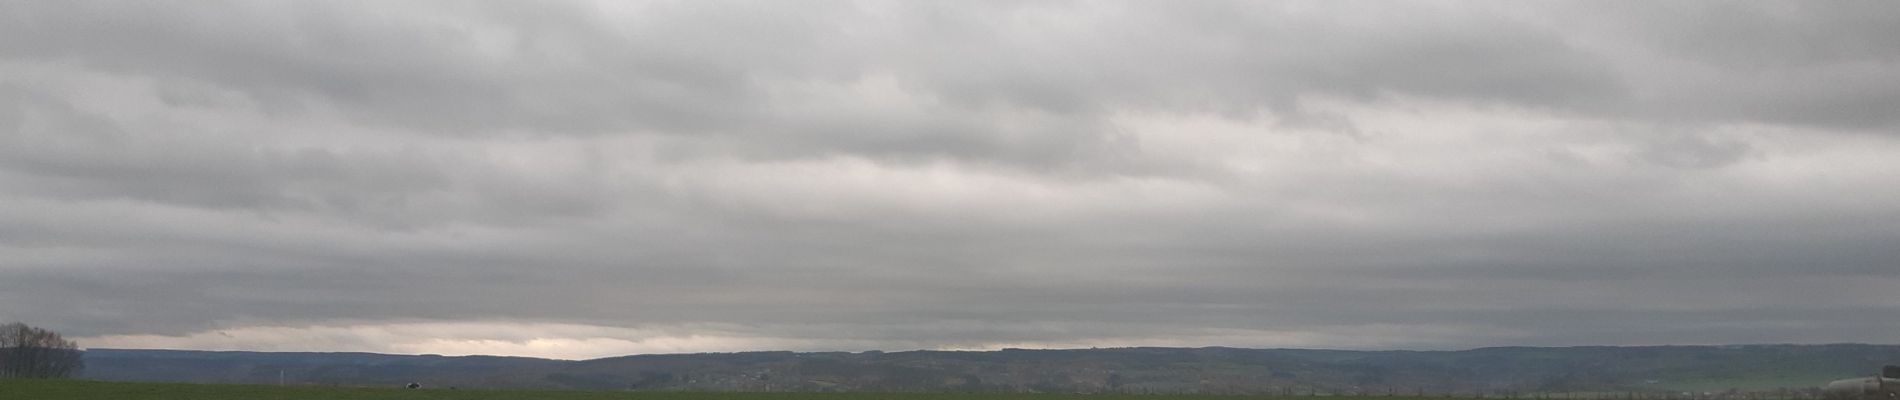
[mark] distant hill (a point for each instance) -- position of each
(1120, 370)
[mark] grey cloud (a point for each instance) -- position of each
(1694, 151)
(673, 68)
(62, 152)
(396, 69)
(931, 175)
(1766, 35)
(64, 162)
(1771, 62)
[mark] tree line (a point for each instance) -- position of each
(29, 352)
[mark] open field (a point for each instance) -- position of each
(28, 389)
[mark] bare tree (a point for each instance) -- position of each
(29, 352)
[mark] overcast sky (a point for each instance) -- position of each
(578, 180)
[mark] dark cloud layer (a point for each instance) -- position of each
(581, 179)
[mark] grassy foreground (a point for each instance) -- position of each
(39, 389)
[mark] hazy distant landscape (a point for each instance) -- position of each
(1497, 371)
(100, 390)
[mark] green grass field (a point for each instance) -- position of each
(34, 389)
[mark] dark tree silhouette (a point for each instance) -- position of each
(29, 352)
